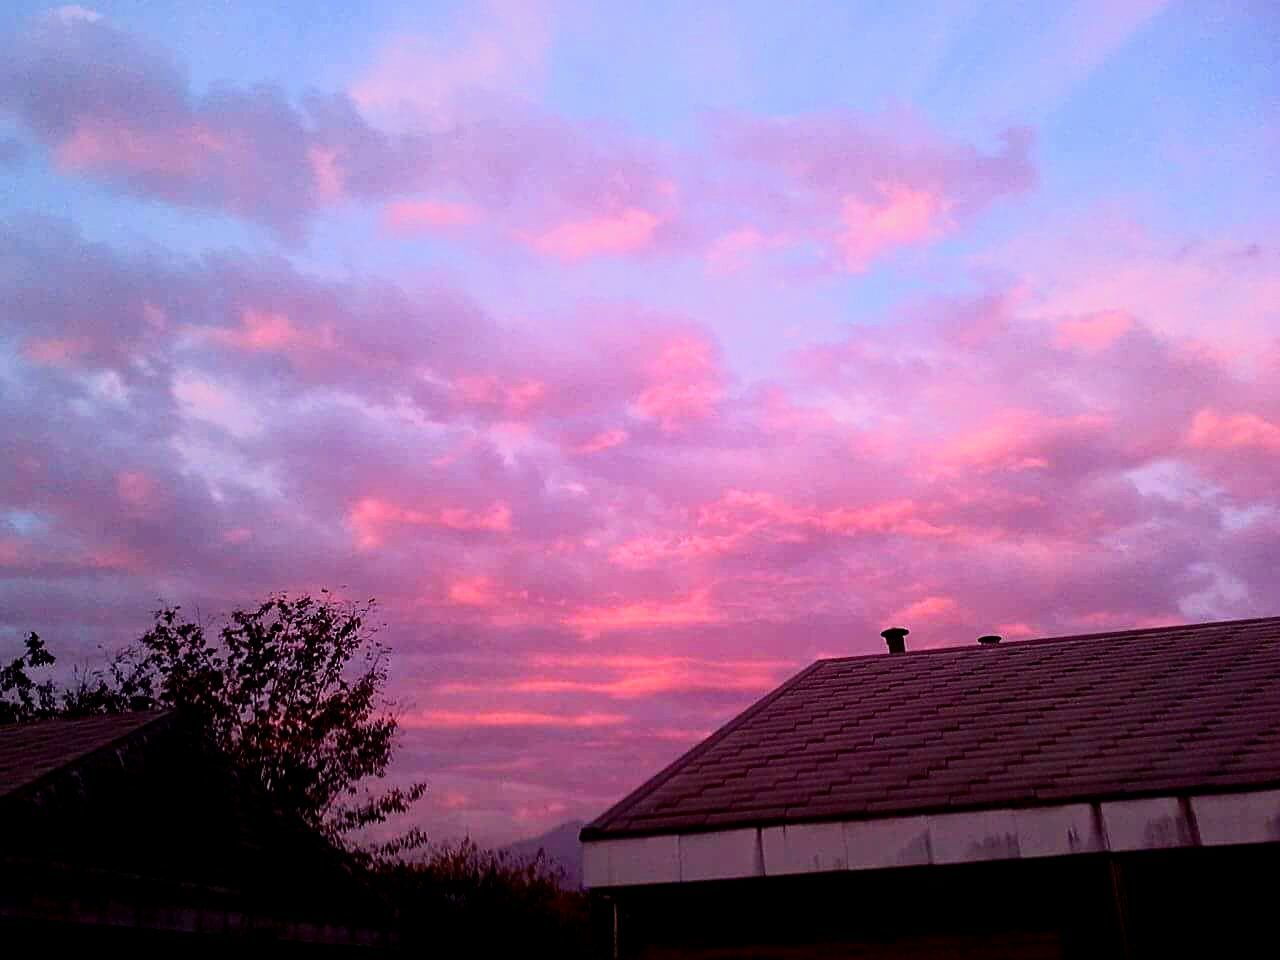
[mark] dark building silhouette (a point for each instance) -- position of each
(1110, 795)
(130, 832)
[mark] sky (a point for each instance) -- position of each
(635, 356)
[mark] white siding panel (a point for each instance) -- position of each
(900, 842)
(804, 848)
(644, 860)
(1146, 824)
(1238, 817)
(945, 838)
(1056, 831)
(964, 837)
(595, 863)
(722, 855)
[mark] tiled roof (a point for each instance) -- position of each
(1142, 712)
(30, 751)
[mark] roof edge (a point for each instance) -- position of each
(935, 810)
(1061, 638)
(596, 829)
(995, 833)
(157, 719)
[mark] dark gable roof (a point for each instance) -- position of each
(140, 818)
(31, 751)
(1142, 712)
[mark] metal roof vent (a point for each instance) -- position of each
(990, 640)
(896, 638)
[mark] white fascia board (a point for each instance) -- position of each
(892, 842)
(966, 837)
(631, 861)
(595, 863)
(1058, 831)
(1238, 818)
(998, 834)
(1153, 823)
(720, 855)
(803, 848)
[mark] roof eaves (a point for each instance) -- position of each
(934, 810)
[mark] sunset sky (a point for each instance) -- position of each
(634, 356)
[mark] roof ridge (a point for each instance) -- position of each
(1035, 641)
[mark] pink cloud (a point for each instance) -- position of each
(271, 331)
(736, 250)
(327, 174)
(493, 46)
(1214, 431)
(373, 520)
(684, 385)
(113, 108)
(646, 661)
(472, 591)
(75, 13)
(928, 608)
(900, 216)
(632, 678)
(450, 799)
(1016, 440)
(605, 440)
(207, 401)
(457, 719)
(115, 557)
(629, 231)
(1102, 263)
(155, 317)
(902, 516)
(693, 609)
(101, 146)
(1017, 631)
(410, 216)
(855, 187)
(56, 351)
(1093, 332)
(135, 488)
(11, 552)
(514, 400)
(741, 522)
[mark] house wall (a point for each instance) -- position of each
(160, 838)
(1194, 902)
(1116, 826)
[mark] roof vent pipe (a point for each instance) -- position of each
(896, 638)
(990, 640)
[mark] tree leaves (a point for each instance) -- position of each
(291, 690)
(22, 698)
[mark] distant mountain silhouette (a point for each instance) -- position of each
(561, 845)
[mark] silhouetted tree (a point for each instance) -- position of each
(290, 690)
(460, 899)
(22, 698)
